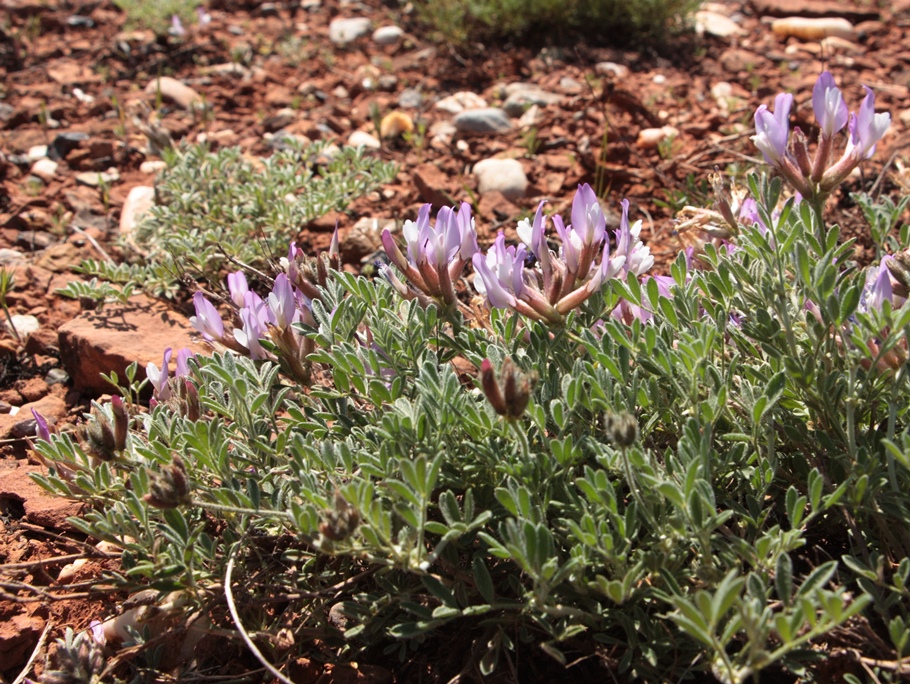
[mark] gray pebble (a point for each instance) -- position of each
(486, 120)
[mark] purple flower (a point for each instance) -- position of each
(159, 378)
(867, 128)
(464, 225)
(638, 258)
(177, 26)
(415, 234)
(772, 130)
(42, 431)
(495, 273)
(878, 286)
(183, 369)
(436, 254)
(96, 630)
(238, 287)
(250, 334)
(207, 319)
(829, 106)
(534, 236)
(282, 302)
(571, 251)
(588, 221)
(204, 17)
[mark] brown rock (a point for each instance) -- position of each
(41, 341)
(327, 222)
(11, 397)
(495, 205)
(279, 96)
(58, 258)
(40, 507)
(18, 636)
(71, 73)
(32, 389)
(432, 183)
(172, 89)
(22, 423)
(364, 238)
(98, 342)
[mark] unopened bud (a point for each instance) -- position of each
(42, 431)
(510, 394)
(191, 399)
(899, 268)
(799, 145)
(622, 428)
(721, 203)
(339, 522)
(99, 433)
(121, 423)
(170, 488)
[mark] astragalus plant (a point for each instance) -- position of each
(655, 478)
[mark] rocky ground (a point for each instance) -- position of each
(500, 126)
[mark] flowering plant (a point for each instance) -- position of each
(703, 473)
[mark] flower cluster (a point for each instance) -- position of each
(815, 178)
(179, 390)
(436, 254)
(545, 291)
(271, 319)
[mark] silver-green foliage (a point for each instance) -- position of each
(764, 504)
(218, 208)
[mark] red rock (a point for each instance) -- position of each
(22, 423)
(40, 507)
(431, 182)
(172, 89)
(32, 389)
(98, 342)
(18, 636)
(494, 206)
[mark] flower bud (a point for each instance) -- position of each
(722, 202)
(42, 431)
(169, 488)
(100, 439)
(622, 428)
(510, 394)
(899, 268)
(121, 423)
(339, 522)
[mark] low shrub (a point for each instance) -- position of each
(668, 478)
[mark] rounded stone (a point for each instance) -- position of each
(504, 175)
(486, 120)
(344, 31)
(387, 35)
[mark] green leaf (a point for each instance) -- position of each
(783, 578)
(482, 579)
(439, 590)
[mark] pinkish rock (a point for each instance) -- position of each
(41, 508)
(98, 342)
(172, 89)
(137, 204)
